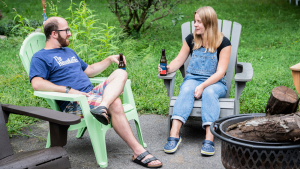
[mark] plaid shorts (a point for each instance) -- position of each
(94, 99)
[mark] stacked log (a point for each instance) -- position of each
(283, 100)
(268, 128)
(279, 124)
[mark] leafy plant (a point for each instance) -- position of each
(91, 43)
(22, 24)
(53, 8)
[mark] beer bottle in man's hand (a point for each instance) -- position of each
(163, 63)
(121, 62)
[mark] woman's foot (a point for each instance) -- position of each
(172, 145)
(147, 160)
(208, 148)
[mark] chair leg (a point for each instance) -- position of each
(99, 144)
(169, 124)
(48, 144)
(81, 132)
(139, 132)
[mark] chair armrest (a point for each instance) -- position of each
(246, 72)
(102, 79)
(60, 96)
(168, 76)
(98, 79)
(43, 114)
(169, 82)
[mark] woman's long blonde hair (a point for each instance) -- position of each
(212, 35)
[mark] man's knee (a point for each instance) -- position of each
(121, 74)
(116, 107)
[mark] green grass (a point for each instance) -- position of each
(269, 41)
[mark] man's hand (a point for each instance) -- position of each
(96, 68)
(115, 59)
(73, 91)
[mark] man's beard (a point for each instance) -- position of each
(63, 42)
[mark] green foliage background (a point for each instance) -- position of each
(270, 41)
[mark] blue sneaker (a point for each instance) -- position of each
(172, 144)
(208, 148)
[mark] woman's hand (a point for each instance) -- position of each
(159, 69)
(198, 92)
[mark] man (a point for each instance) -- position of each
(57, 68)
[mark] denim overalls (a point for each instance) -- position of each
(202, 65)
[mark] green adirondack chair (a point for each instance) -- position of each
(36, 41)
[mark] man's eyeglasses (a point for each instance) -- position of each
(67, 30)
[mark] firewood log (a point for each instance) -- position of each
(283, 100)
(273, 128)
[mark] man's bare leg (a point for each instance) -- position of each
(122, 127)
(115, 87)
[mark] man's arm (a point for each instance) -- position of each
(40, 84)
(96, 68)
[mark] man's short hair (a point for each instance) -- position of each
(49, 27)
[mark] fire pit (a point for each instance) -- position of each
(241, 154)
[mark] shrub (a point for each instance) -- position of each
(132, 15)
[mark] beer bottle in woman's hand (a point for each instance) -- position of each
(163, 64)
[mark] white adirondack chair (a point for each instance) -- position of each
(243, 73)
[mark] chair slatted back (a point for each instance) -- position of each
(186, 29)
(33, 43)
(5, 147)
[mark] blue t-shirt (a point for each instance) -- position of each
(60, 66)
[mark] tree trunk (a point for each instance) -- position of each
(283, 100)
(270, 128)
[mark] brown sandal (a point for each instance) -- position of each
(101, 114)
(145, 163)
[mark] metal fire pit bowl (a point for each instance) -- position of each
(243, 154)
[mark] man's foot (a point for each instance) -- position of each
(147, 160)
(100, 113)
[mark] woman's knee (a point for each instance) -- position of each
(208, 92)
(187, 89)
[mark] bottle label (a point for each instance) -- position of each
(124, 68)
(163, 67)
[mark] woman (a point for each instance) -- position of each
(210, 51)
